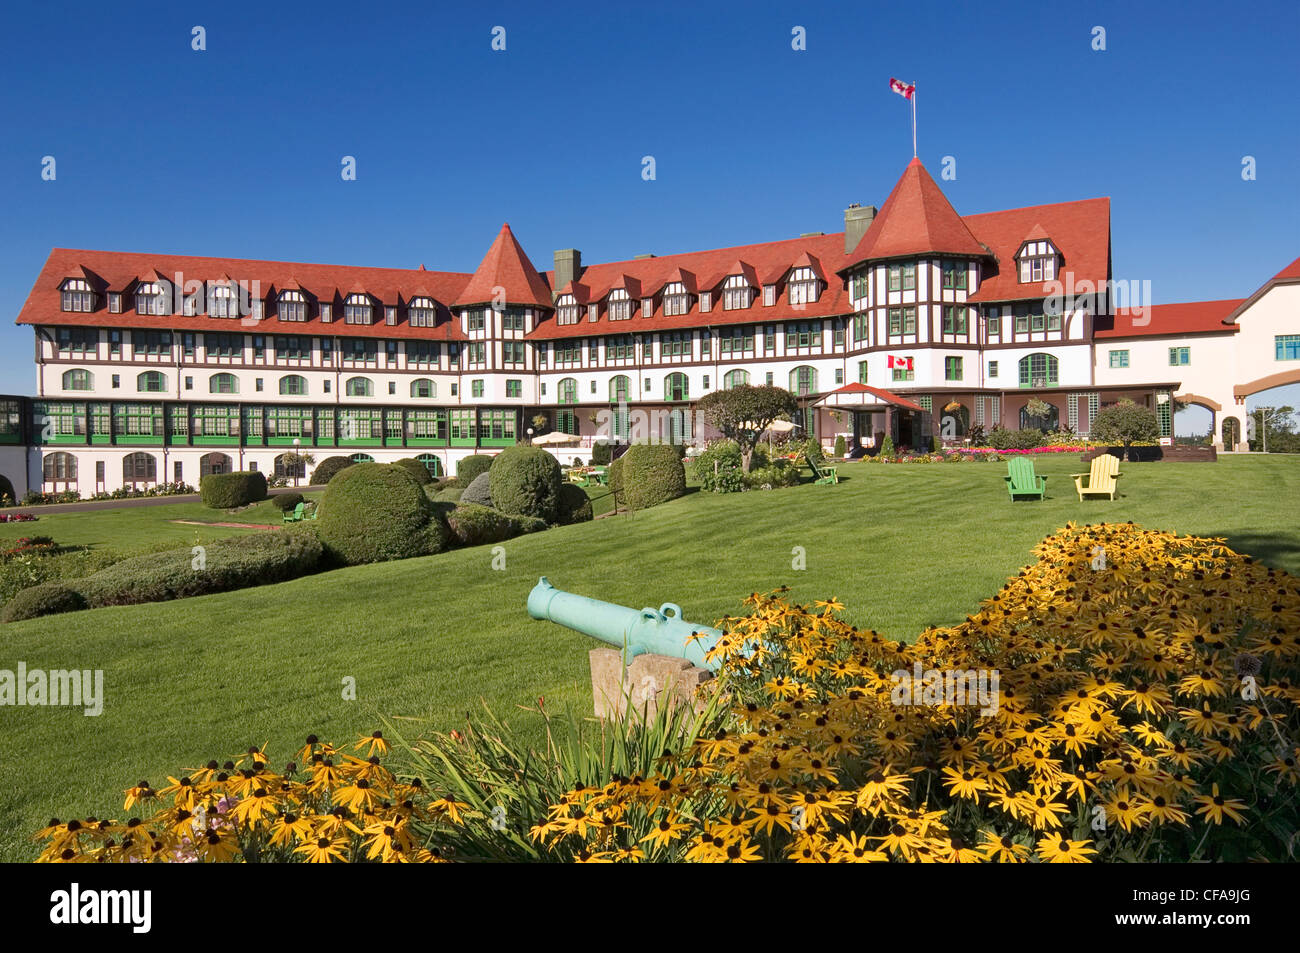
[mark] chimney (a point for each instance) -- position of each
(857, 219)
(568, 267)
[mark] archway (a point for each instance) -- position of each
(1189, 418)
(1231, 433)
(214, 463)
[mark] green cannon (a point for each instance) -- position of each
(659, 631)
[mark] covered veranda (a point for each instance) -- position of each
(866, 414)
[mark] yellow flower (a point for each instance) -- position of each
(1215, 807)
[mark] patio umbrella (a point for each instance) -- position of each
(554, 438)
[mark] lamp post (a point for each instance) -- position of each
(530, 436)
(297, 461)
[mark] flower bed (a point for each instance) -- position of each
(18, 517)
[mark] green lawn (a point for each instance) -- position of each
(903, 546)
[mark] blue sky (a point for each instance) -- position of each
(235, 151)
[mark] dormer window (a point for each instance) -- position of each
(223, 302)
(737, 293)
(676, 300)
(567, 310)
(421, 312)
(358, 309)
(77, 295)
(151, 299)
(620, 305)
(1037, 262)
(804, 286)
(292, 306)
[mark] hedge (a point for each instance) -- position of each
(416, 469)
(652, 474)
(224, 491)
(286, 501)
(46, 599)
(473, 525)
(601, 453)
(237, 563)
(525, 481)
(374, 512)
(470, 467)
(479, 491)
(328, 468)
(447, 494)
(574, 504)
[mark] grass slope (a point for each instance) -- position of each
(904, 546)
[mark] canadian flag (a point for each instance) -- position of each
(896, 360)
(903, 89)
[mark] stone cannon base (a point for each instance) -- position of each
(650, 681)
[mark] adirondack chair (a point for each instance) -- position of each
(1023, 481)
(1100, 479)
(823, 475)
(315, 511)
(295, 516)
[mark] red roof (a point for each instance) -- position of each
(1191, 317)
(506, 266)
(119, 271)
(887, 396)
(916, 218)
(1079, 230)
(1290, 273)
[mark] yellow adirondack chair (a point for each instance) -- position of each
(1100, 480)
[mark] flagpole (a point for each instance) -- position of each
(913, 98)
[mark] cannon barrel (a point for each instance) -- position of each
(660, 631)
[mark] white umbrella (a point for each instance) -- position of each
(555, 437)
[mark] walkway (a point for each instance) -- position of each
(138, 501)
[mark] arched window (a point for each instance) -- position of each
(1039, 370)
(60, 471)
(1039, 415)
(78, 379)
(151, 382)
(954, 421)
(620, 389)
(1231, 433)
(735, 379)
(423, 387)
(293, 385)
(139, 468)
(359, 387)
(803, 380)
(223, 384)
(362, 458)
(677, 386)
(293, 468)
(431, 463)
(568, 391)
(214, 463)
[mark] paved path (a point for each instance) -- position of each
(231, 525)
(139, 501)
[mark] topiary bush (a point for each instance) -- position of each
(450, 493)
(223, 491)
(525, 481)
(841, 446)
(652, 474)
(328, 468)
(416, 469)
(46, 599)
(1001, 439)
(720, 468)
(374, 512)
(479, 491)
(574, 505)
(474, 525)
(601, 454)
(238, 563)
(284, 502)
(470, 467)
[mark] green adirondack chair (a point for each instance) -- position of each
(1100, 477)
(823, 475)
(1023, 481)
(315, 511)
(295, 516)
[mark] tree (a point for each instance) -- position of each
(1125, 423)
(744, 412)
(1274, 429)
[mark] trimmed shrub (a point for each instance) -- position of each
(652, 474)
(284, 502)
(601, 453)
(812, 449)
(841, 446)
(328, 468)
(525, 481)
(416, 469)
(720, 468)
(374, 512)
(479, 491)
(473, 525)
(615, 475)
(448, 494)
(224, 491)
(46, 599)
(574, 504)
(237, 563)
(780, 473)
(530, 524)
(470, 467)
(1028, 439)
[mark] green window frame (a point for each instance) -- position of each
(735, 378)
(223, 384)
(427, 424)
(293, 385)
(862, 372)
(676, 387)
(952, 368)
(151, 382)
(151, 343)
(78, 340)
(895, 278)
(1039, 367)
(620, 389)
(78, 379)
(1180, 356)
(476, 387)
(803, 380)
(514, 388)
(899, 374)
(359, 387)
(566, 421)
(861, 286)
(423, 352)
(138, 420)
(567, 390)
(1119, 358)
(954, 319)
